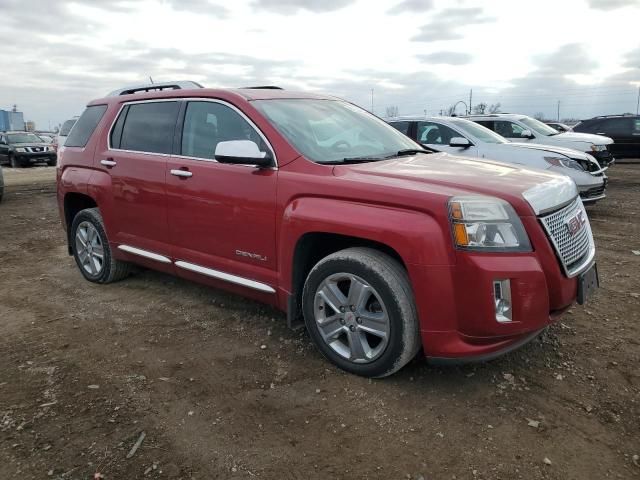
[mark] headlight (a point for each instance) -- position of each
(20, 150)
(598, 148)
(564, 162)
(49, 149)
(487, 224)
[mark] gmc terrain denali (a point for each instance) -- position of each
(319, 208)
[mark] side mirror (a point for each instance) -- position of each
(242, 152)
(526, 134)
(459, 142)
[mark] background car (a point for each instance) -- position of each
(465, 138)
(64, 132)
(561, 127)
(623, 129)
(20, 149)
(521, 128)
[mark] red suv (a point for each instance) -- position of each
(317, 207)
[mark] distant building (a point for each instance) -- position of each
(30, 126)
(11, 120)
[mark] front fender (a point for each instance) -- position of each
(418, 238)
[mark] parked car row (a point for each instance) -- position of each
(380, 247)
(466, 138)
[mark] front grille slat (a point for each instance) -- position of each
(572, 250)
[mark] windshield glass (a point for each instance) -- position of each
(328, 131)
(66, 127)
(23, 138)
(478, 131)
(538, 126)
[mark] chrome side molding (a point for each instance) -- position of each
(144, 253)
(209, 272)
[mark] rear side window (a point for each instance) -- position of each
(401, 127)
(67, 126)
(149, 127)
(84, 127)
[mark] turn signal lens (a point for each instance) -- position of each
(460, 233)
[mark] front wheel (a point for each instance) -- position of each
(14, 162)
(91, 249)
(360, 313)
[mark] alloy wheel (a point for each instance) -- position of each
(89, 248)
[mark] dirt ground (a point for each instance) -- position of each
(221, 388)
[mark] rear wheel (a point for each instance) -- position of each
(91, 249)
(360, 313)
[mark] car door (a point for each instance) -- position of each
(221, 216)
(621, 130)
(437, 136)
(135, 159)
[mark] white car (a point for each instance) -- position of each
(64, 132)
(520, 128)
(465, 138)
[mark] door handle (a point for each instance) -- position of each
(108, 163)
(182, 173)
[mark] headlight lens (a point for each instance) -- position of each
(487, 224)
(598, 148)
(564, 162)
(49, 149)
(20, 150)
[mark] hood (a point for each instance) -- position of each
(583, 137)
(567, 152)
(451, 175)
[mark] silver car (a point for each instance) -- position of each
(466, 138)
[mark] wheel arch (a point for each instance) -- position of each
(75, 202)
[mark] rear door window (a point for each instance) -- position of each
(149, 127)
(85, 126)
(618, 126)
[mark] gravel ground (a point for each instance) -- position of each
(221, 388)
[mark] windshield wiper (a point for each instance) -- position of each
(409, 151)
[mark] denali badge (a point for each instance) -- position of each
(253, 256)
(575, 223)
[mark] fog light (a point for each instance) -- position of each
(502, 300)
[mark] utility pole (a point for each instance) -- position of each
(558, 110)
(425, 113)
(372, 100)
(470, 100)
(638, 104)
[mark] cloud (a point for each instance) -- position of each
(199, 6)
(413, 6)
(611, 4)
(569, 59)
(293, 6)
(446, 58)
(447, 24)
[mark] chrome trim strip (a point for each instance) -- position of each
(144, 253)
(209, 272)
(188, 99)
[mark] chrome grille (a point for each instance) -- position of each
(575, 251)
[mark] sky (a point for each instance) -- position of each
(417, 55)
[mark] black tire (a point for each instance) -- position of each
(14, 162)
(52, 163)
(112, 270)
(391, 283)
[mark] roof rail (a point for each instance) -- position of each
(616, 115)
(155, 87)
(263, 87)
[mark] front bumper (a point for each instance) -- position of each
(31, 158)
(457, 310)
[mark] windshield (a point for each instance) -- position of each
(327, 131)
(66, 127)
(24, 138)
(538, 126)
(478, 131)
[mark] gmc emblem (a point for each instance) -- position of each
(575, 223)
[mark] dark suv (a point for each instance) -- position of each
(20, 149)
(623, 129)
